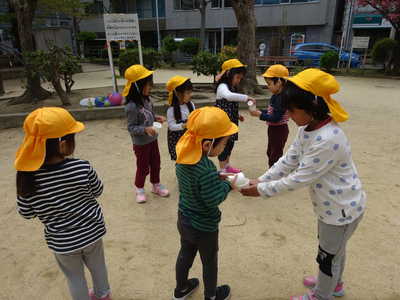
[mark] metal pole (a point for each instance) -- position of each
(110, 58)
(222, 23)
(158, 27)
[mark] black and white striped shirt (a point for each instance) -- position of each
(65, 202)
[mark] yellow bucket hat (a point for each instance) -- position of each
(276, 71)
(40, 125)
(229, 64)
(172, 84)
(203, 123)
(133, 74)
(324, 85)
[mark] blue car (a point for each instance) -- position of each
(312, 52)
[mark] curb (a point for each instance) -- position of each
(117, 112)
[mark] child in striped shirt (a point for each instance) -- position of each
(201, 191)
(62, 193)
(320, 158)
(275, 115)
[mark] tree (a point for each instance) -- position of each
(169, 46)
(202, 5)
(329, 60)
(25, 12)
(244, 11)
(84, 37)
(390, 10)
(190, 46)
(387, 51)
(206, 63)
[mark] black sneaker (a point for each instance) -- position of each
(223, 293)
(193, 284)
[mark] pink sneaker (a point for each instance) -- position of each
(308, 296)
(140, 197)
(160, 190)
(93, 296)
(311, 281)
(231, 169)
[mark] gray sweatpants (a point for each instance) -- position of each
(72, 265)
(332, 256)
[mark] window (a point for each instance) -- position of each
(185, 4)
(218, 3)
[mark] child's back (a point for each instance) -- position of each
(65, 202)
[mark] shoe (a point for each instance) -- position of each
(231, 169)
(140, 197)
(193, 284)
(223, 293)
(311, 281)
(93, 296)
(308, 296)
(160, 190)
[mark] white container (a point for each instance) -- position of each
(157, 126)
(241, 181)
(252, 106)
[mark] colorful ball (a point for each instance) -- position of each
(107, 102)
(99, 101)
(115, 99)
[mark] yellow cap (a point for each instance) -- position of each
(276, 71)
(203, 123)
(172, 84)
(229, 64)
(133, 74)
(324, 85)
(40, 125)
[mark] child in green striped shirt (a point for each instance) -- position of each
(201, 190)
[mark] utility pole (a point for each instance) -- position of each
(158, 27)
(222, 24)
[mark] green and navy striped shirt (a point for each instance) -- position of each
(200, 192)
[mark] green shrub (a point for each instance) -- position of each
(329, 60)
(228, 52)
(206, 63)
(85, 36)
(387, 51)
(151, 59)
(168, 48)
(190, 46)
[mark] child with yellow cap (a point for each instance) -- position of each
(320, 158)
(201, 190)
(275, 115)
(233, 71)
(62, 193)
(180, 106)
(139, 111)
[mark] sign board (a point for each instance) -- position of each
(121, 27)
(360, 42)
(295, 39)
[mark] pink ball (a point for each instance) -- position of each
(115, 99)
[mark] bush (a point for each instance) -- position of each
(228, 52)
(387, 51)
(190, 46)
(85, 36)
(206, 63)
(151, 59)
(329, 60)
(168, 48)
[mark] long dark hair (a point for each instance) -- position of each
(295, 97)
(26, 185)
(186, 86)
(228, 76)
(135, 93)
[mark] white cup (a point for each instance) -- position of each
(252, 106)
(157, 126)
(241, 180)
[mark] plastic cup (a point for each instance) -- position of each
(241, 181)
(157, 126)
(252, 106)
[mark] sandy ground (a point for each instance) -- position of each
(266, 246)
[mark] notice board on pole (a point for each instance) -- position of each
(121, 27)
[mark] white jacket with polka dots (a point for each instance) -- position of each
(320, 159)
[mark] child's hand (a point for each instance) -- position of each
(256, 113)
(241, 118)
(252, 100)
(224, 176)
(150, 131)
(250, 191)
(254, 182)
(160, 119)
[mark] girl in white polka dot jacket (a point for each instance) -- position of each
(320, 157)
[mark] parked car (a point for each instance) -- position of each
(307, 53)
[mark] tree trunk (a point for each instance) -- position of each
(244, 11)
(75, 30)
(202, 8)
(60, 92)
(25, 11)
